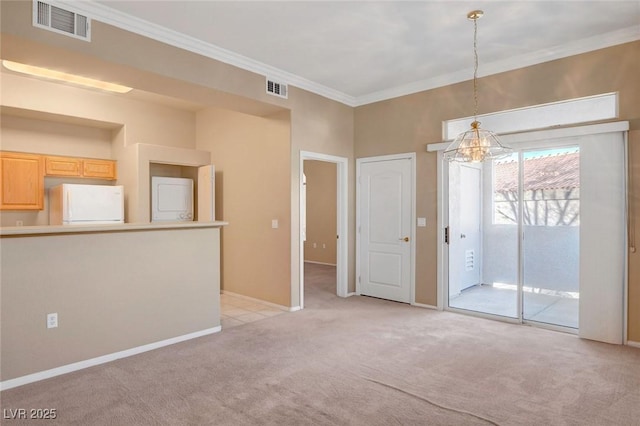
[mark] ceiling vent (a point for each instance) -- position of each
(50, 17)
(277, 89)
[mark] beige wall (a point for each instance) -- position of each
(252, 157)
(321, 126)
(408, 123)
(316, 124)
(112, 291)
(49, 118)
(321, 212)
(57, 138)
(144, 122)
(405, 124)
(24, 134)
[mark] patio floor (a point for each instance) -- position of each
(540, 307)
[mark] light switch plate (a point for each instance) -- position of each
(274, 223)
(422, 222)
(52, 320)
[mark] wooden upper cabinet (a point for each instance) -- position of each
(21, 181)
(103, 169)
(62, 166)
(80, 167)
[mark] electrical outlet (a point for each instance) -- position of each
(314, 245)
(274, 224)
(324, 246)
(52, 320)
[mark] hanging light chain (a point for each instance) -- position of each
(475, 69)
(476, 145)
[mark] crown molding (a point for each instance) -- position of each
(107, 15)
(602, 41)
(138, 26)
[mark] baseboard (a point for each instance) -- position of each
(422, 305)
(47, 374)
(352, 294)
(295, 309)
(263, 302)
(633, 344)
(319, 263)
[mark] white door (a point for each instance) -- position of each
(469, 232)
(385, 240)
(464, 227)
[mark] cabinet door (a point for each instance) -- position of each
(62, 166)
(103, 169)
(21, 181)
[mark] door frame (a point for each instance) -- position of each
(412, 243)
(515, 140)
(342, 248)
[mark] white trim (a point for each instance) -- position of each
(47, 374)
(625, 291)
(633, 344)
(352, 294)
(260, 301)
(442, 220)
(553, 327)
(319, 263)
(565, 132)
(484, 315)
(342, 222)
(107, 15)
(554, 114)
(422, 305)
(411, 156)
(295, 309)
(118, 19)
(623, 35)
(520, 139)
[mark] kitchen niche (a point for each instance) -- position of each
(53, 136)
(177, 171)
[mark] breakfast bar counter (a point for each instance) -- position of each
(116, 290)
(123, 227)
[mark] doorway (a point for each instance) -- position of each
(339, 165)
(385, 211)
(552, 231)
(534, 193)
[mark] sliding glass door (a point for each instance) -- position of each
(544, 242)
(523, 258)
(490, 252)
(550, 180)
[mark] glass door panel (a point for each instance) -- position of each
(551, 240)
(483, 260)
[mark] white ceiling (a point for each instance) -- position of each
(359, 52)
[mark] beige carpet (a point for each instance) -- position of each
(354, 361)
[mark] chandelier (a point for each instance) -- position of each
(476, 144)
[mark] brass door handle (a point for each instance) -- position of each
(405, 239)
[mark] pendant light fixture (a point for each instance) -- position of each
(476, 144)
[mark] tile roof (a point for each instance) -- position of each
(548, 172)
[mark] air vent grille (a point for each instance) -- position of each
(277, 89)
(62, 21)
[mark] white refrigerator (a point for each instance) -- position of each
(75, 204)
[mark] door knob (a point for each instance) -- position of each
(405, 239)
(463, 236)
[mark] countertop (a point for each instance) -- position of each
(16, 231)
